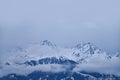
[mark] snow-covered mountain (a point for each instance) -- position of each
(46, 61)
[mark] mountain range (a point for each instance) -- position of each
(47, 61)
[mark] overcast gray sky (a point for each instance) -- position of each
(64, 22)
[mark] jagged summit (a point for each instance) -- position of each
(90, 47)
(46, 42)
(87, 48)
(84, 51)
(78, 46)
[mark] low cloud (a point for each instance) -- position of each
(25, 70)
(106, 66)
(101, 63)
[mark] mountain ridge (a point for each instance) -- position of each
(46, 56)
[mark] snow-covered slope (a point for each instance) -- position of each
(47, 57)
(84, 52)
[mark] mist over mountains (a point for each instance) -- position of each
(45, 57)
(84, 40)
(65, 22)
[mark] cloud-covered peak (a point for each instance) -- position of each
(88, 48)
(47, 43)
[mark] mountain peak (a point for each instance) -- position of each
(46, 42)
(88, 43)
(78, 46)
(88, 48)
